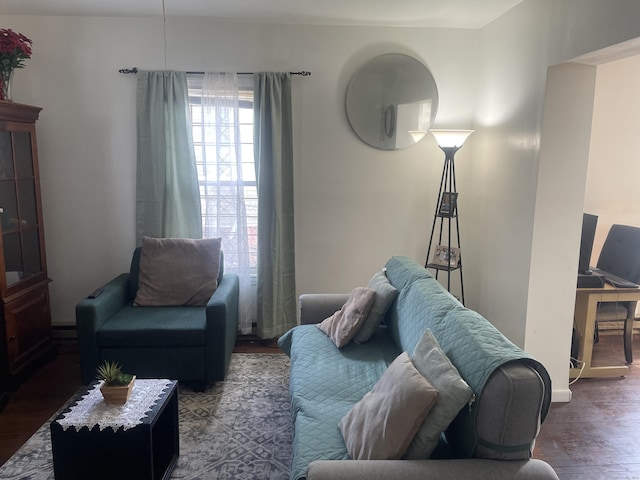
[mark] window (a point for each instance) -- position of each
(221, 108)
(223, 143)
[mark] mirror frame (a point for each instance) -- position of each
(391, 101)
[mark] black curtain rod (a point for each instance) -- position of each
(135, 70)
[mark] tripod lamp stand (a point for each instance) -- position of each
(446, 254)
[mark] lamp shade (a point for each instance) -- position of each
(417, 135)
(451, 138)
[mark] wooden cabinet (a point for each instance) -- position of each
(25, 318)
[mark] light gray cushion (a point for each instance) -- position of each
(385, 295)
(454, 394)
(383, 423)
(178, 271)
(343, 324)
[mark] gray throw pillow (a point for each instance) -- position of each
(343, 325)
(436, 367)
(385, 295)
(382, 424)
(178, 271)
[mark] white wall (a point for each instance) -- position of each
(504, 170)
(613, 177)
(524, 294)
(355, 206)
(566, 132)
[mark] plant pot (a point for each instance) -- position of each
(117, 395)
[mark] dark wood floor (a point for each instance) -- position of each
(595, 436)
(49, 388)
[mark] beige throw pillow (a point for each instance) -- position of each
(382, 424)
(345, 323)
(454, 394)
(385, 295)
(178, 271)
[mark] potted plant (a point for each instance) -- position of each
(116, 385)
(15, 48)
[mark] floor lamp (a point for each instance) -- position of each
(446, 256)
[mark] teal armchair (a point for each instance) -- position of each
(187, 343)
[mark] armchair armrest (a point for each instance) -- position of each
(93, 312)
(315, 307)
(470, 468)
(222, 326)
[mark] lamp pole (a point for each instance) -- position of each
(446, 258)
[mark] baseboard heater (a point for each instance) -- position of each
(64, 332)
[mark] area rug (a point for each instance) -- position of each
(236, 429)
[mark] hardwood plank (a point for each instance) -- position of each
(36, 400)
(53, 384)
(594, 436)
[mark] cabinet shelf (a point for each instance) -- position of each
(25, 318)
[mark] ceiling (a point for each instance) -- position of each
(404, 13)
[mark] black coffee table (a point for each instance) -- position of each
(93, 440)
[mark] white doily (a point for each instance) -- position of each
(92, 410)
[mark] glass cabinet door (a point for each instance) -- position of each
(18, 207)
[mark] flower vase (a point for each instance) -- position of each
(5, 78)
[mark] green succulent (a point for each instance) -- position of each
(111, 373)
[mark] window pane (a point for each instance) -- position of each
(12, 255)
(22, 148)
(197, 133)
(27, 202)
(246, 133)
(6, 155)
(31, 252)
(226, 172)
(8, 206)
(246, 115)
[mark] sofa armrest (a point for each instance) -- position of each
(222, 327)
(93, 312)
(315, 307)
(470, 469)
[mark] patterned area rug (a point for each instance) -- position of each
(236, 429)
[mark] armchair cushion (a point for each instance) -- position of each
(178, 271)
(153, 327)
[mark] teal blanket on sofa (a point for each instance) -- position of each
(326, 382)
(472, 344)
(340, 379)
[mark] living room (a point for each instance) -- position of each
(356, 206)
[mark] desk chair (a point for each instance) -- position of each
(620, 255)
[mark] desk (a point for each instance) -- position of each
(587, 300)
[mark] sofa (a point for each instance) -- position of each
(189, 343)
(487, 432)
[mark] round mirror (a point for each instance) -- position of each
(392, 101)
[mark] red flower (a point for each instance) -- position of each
(15, 48)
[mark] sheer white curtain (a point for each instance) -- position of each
(227, 184)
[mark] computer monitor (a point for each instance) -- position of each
(589, 223)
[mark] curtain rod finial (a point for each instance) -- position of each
(128, 70)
